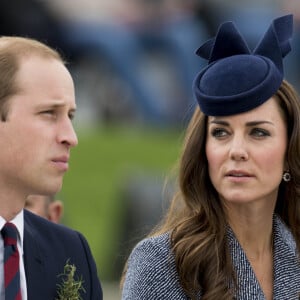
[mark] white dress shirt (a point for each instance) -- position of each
(18, 221)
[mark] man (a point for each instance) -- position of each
(45, 206)
(37, 104)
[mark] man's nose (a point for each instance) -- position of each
(67, 134)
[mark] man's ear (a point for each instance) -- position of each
(55, 211)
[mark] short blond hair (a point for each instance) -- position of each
(12, 51)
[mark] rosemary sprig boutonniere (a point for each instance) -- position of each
(70, 287)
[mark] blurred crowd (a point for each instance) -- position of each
(133, 60)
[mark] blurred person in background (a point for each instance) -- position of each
(232, 230)
(46, 206)
(293, 64)
(30, 18)
(251, 17)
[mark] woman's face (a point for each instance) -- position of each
(246, 154)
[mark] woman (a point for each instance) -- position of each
(233, 229)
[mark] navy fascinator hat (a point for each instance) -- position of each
(237, 80)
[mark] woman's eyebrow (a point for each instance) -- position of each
(255, 123)
(219, 122)
(248, 124)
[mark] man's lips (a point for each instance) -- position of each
(61, 162)
(61, 159)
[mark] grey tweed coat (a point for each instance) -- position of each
(152, 273)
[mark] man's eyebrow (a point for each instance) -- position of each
(54, 105)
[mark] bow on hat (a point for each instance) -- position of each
(235, 79)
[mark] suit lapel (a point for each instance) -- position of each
(34, 266)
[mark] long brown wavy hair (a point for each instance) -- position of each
(196, 218)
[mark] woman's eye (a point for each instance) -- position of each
(259, 132)
(219, 132)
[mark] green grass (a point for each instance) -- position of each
(99, 166)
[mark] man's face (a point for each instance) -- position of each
(36, 139)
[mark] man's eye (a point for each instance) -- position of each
(48, 112)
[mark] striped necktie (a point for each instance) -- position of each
(11, 262)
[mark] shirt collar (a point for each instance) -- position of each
(18, 221)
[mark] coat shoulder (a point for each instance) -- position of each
(151, 271)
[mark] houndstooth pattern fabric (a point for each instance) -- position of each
(152, 273)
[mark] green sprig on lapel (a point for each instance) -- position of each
(71, 287)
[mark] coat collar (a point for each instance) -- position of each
(286, 266)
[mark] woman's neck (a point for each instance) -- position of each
(253, 229)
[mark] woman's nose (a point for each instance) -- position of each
(238, 150)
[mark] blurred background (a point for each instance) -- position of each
(133, 63)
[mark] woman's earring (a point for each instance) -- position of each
(286, 176)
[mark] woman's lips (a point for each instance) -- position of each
(238, 176)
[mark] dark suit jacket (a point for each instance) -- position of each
(47, 247)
